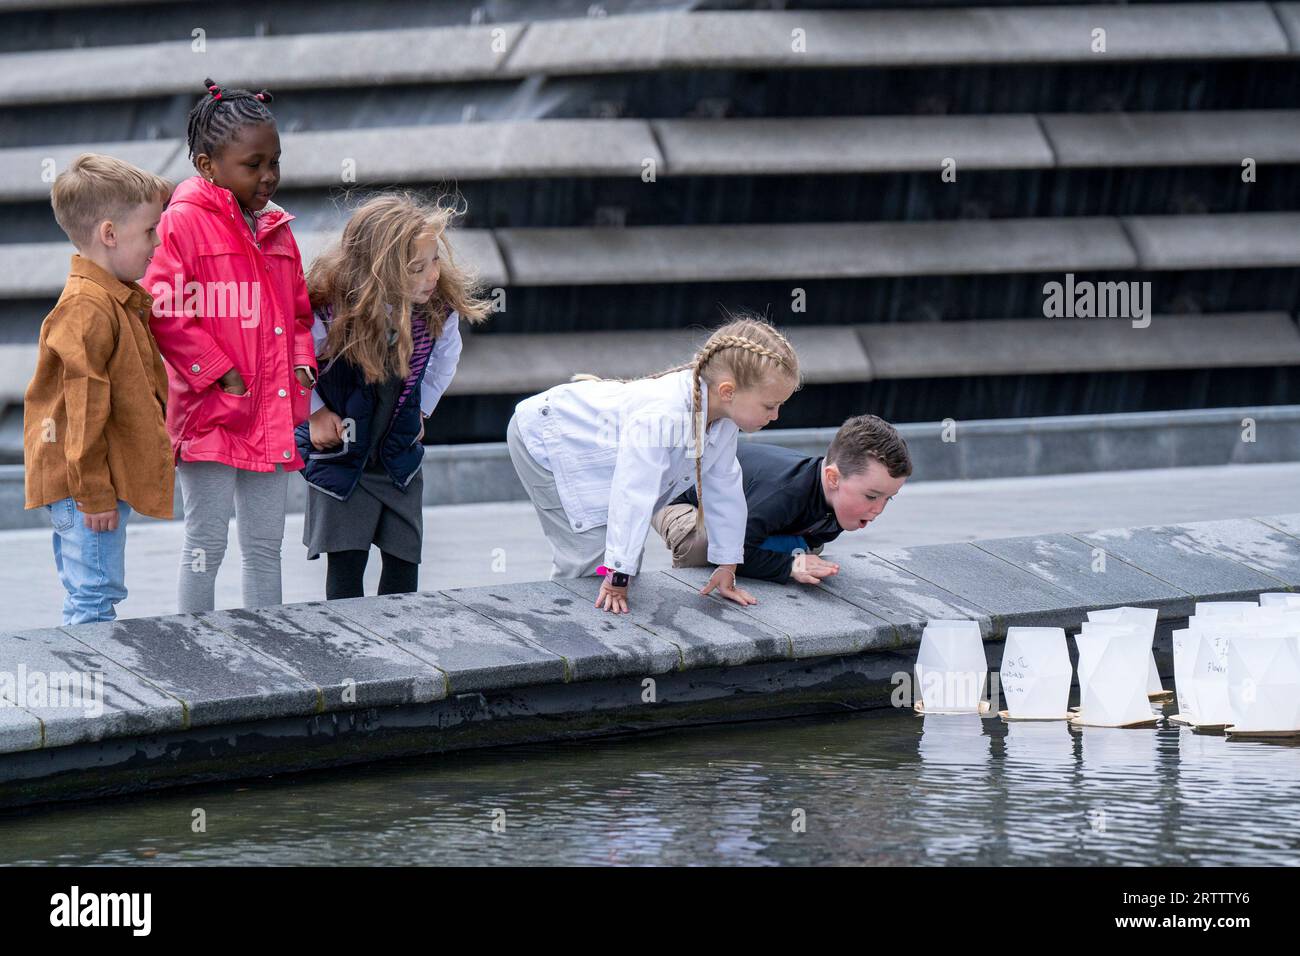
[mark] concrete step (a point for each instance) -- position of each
(492, 364)
(513, 364)
(1231, 241)
(884, 38)
(651, 254)
(867, 144)
(27, 173)
(38, 269)
(702, 147)
(656, 41)
(1047, 346)
(1173, 139)
(524, 363)
(660, 254)
(320, 60)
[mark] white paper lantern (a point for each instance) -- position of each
(1184, 660)
(1206, 609)
(1273, 620)
(1036, 673)
(1209, 683)
(1145, 618)
(1264, 684)
(1280, 599)
(1114, 657)
(951, 668)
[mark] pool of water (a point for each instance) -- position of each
(882, 787)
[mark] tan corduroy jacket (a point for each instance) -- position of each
(93, 414)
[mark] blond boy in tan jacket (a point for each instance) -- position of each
(94, 441)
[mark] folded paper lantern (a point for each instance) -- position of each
(1205, 609)
(1142, 617)
(1096, 627)
(1085, 666)
(1209, 686)
(951, 669)
(1036, 673)
(1114, 656)
(1264, 684)
(1184, 660)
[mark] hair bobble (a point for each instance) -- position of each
(220, 114)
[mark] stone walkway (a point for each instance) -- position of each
(488, 544)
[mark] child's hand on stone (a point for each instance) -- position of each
(724, 581)
(810, 569)
(326, 429)
(611, 598)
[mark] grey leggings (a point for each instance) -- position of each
(213, 494)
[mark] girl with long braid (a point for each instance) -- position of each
(232, 319)
(599, 457)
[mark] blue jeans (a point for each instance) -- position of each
(91, 564)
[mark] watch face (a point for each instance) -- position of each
(619, 579)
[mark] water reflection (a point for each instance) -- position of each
(885, 787)
(1214, 775)
(1118, 786)
(952, 801)
(1038, 763)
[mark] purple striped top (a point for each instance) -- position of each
(422, 345)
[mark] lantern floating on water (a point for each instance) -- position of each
(1036, 674)
(1264, 685)
(951, 668)
(1145, 619)
(1113, 676)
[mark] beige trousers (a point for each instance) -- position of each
(689, 545)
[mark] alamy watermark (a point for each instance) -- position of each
(65, 690)
(661, 430)
(215, 300)
(1085, 299)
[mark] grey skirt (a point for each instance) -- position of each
(378, 513)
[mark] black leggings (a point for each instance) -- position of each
(344, 575)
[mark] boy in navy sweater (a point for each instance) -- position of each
(798, 503)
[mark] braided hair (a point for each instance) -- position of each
(748, 348)
(217, 118)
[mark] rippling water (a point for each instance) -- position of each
(884, 787)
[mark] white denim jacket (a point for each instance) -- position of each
(620, 451)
